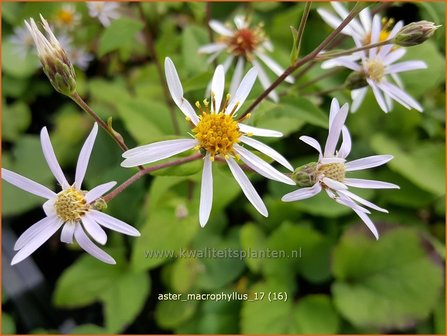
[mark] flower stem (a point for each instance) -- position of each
(144, 171)
(334, 54)
(150, 45)
(308, 58)
(302, 25)
(82, 104)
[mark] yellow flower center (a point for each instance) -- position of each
(245, 41)
(375, 69)
(334, 171)
(384, 33)
(216, 132)
(65, 16)
(71, 204)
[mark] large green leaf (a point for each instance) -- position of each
(380, 285)
(253, 238)
(119, 35)
(8, 325)
(170, 314)
(15, 64)
(192, 38)
(16, 118)
(315, 314)
(423, 165)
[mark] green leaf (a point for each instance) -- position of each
(164, 233)
(170, 314)
(315, 314)
(192, 38)
(119, 35)
(423, 165)
(95, 276)
(8, 325)
(15, 65)
(16, 119)
(432, 77)
(263, 316)
(379, 285)
(124, 300)
(253, 238)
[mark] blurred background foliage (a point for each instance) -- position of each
(345, 281)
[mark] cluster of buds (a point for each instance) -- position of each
(54, 59)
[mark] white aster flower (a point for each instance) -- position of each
(78, 56)
(22, 41)
(375, 66)
(216, 133)
(329, 173)
(73, 209)
(67, 17)
(106, 12)
(245, 44)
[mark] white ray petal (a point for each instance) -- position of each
(51, 159)
(326, 160)
(206, 192)
(220, 28)
(347, 62)
(346, 201)
(362, 200)
(346, 144)
(98, 191)
(375, 33)
(369, 184)
(156, 151)
(334, 21)
(335, 107)
(251, 130)
(406, 66)
(247, 188)
(84, 156)
(261, 167)
(401, 96)
(26, 184)
(357, 98)
(211, 48)
(240, 22)
(114, 224)
(34, 230)
(302, 193)
(364, 217)
(335, 130)
(384, 50)
(226, 64)
(311, 142)
(68, 232)
(37, 241)
(343, 12)
(365, 18)
(263, 148)
(242, 91)
(88, 246)
(333, 184)
(394, 56)
(378, 95)
(265, 81)
(93, 229)
(368, 162)
(237, 75)
(217, 88)
(274, 66)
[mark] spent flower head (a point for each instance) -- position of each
(217, 134)
(246, 44)
(54, 59)
(329, 172)
(73, 209)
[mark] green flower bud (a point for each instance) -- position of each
(54, 59)
(306, 175)
(415, 33)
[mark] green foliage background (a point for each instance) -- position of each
(344, 282)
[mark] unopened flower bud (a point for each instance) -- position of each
(54, 59)
(306, 175)
(356, 80)
(415, 33)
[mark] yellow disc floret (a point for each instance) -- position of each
(70, 204)
(335, 171)
(216, 132)
(375, 69)
(384, 33)
(65, 16)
